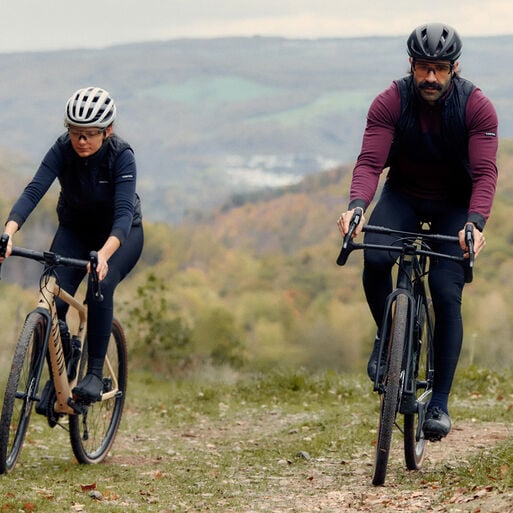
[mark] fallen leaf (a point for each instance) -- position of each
(88, 487)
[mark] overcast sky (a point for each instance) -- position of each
(57, 24)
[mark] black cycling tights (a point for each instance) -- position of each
(446, 279)
(78, 245)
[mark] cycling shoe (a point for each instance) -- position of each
(89, 390)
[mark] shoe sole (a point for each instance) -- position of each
(85, 399)
(434, 436)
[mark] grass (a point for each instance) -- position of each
(222, 443)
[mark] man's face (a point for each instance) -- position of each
(432, 78)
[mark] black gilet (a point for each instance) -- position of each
(451, 147)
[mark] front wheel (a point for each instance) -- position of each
(92, 433)
(390, 395)
(21, 390)
(414, 441)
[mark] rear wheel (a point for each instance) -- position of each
(390, 395)
(414, 441)
(21, 390)
(93, 432)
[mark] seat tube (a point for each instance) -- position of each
(55, 350)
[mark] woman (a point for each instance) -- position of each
(98, 209)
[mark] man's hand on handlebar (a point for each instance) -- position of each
(477, 240)
(351, 222)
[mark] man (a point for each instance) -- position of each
(437, 134)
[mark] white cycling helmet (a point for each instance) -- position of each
(90, 106)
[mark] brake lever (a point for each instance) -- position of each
(469, 241)
(4, 239)
(353, 224)
(93, 260)
(347, 242)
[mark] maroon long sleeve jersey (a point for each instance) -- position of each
(422, 179)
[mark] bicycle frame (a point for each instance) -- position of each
(410, 282)
(49, 291)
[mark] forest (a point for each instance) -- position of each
(254, 285)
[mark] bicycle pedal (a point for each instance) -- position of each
(79, 407)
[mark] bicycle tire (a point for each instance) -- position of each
(390, 396)
(21, 390)
(414, 441)
(103, 417)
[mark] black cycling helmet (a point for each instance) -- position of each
(434, 41)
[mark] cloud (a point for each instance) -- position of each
(29, 24)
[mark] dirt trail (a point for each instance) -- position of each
(465, 440)
(357, 495)
(333, 485)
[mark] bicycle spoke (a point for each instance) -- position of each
(92, 432)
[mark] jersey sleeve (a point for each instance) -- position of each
(482, 124)
(382, 118)
(124, 196)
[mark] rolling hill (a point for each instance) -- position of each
(213, 118)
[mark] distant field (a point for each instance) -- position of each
(325, 105)
(213, 90)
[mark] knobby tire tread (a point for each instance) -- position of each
(390, 397)
(414, 450)
(25, 363)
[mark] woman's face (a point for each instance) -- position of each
(86, 141)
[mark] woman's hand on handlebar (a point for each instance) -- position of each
(6, 247)
(344, 222)
(101, 266)
(11, 227)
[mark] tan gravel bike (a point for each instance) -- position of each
(42, 350)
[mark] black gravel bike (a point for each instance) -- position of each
(405, 384)
(44, 350)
